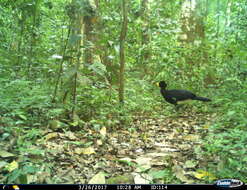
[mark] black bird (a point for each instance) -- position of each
(174, 96)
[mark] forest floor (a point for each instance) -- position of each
(149, 150)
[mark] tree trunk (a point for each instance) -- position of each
(122, 51)
(145, 39)
(88, 39)
(34, 37)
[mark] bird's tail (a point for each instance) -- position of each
(202, 99)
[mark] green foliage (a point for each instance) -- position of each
(229, 151)
(213, 63)
(23, 141)
(166, 175)
(229, 133)
(21, 174)
(22, 104)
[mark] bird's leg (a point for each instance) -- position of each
(177, 107)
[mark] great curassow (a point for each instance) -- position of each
(174, 96)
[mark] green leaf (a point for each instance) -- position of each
(230, 113)
(23, 117)
(23, 179)
(2, 164)
(74, 39)
(5, 154)
(98, 68)
(158, 174)
(14, 175)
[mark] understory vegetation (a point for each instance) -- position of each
(79, 100)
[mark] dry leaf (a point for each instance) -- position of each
(142, 178)
(192, 137)
(180, 173)
(70, 135)
(89, 150)
(190, 164)
(143, 164)
(200, 174)
(99, 178)
(5, 154)
(50, 136)
(99, 142)
(12, 166)
(126, 159)
(103, 131)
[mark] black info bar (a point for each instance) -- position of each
(116, 187)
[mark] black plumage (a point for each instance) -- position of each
(174, 96)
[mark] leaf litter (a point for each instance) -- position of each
(121, 156)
